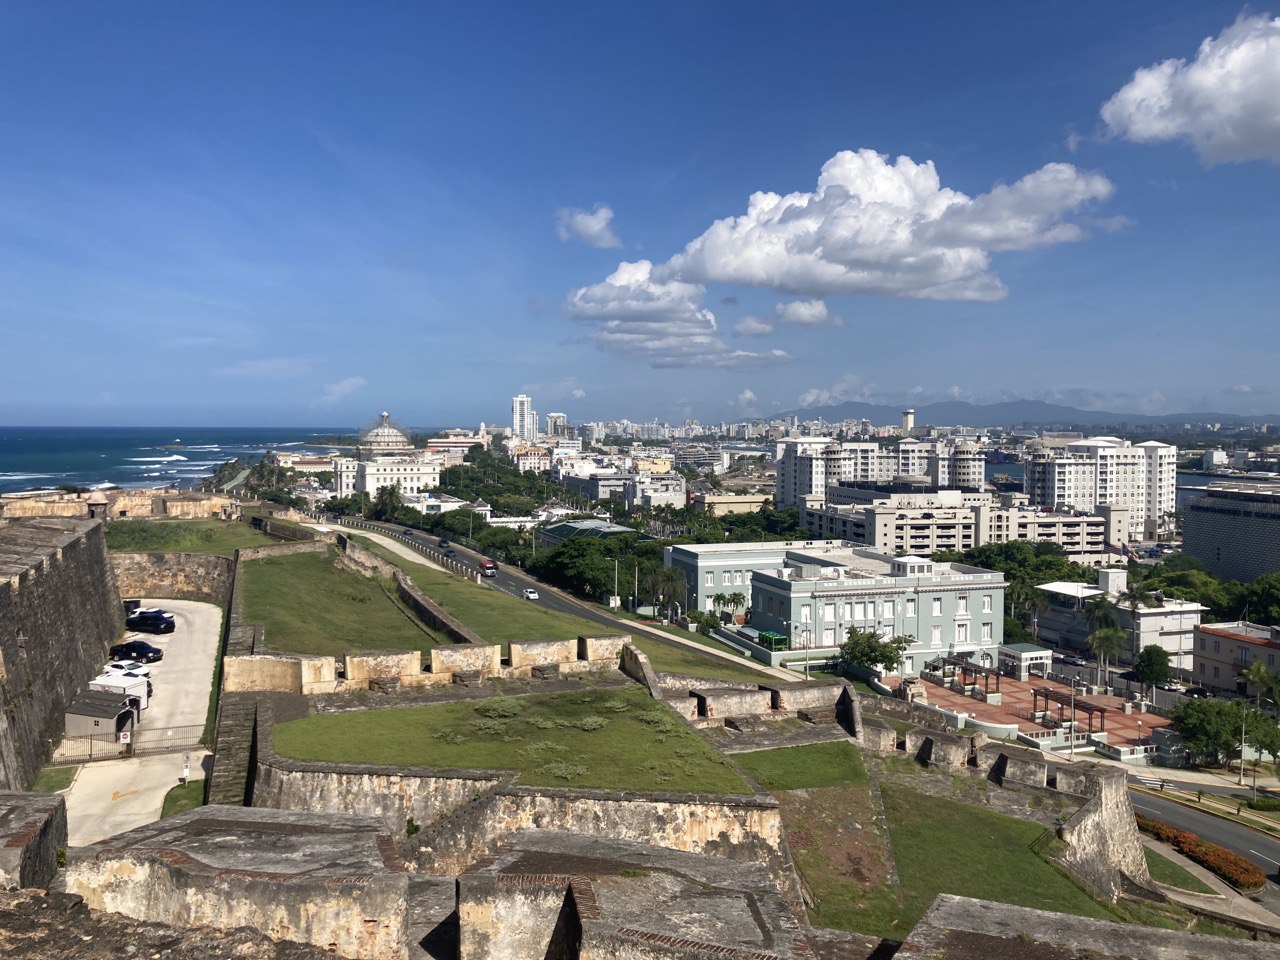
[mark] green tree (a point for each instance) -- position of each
(1210, 728)
(1153, 667)
(1264, 682)
(1102, 613)
(865, 649)
(1105, 643)
(736, 601)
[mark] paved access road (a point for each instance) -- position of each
(108, 797)
(1250, 844)
(182, 681)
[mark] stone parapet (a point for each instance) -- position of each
(180, 576)
(32, 828)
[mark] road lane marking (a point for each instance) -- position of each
(117, 795)
(1268, 859)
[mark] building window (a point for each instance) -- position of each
(962, 605)
(848, 612)
(935, 635)
(711, 580)
(886, 609)
(986, 631)
(1202, 669)
(909, 665)
(737, 578)
(861, 609)
(828, 611)
(962, 633)
(986, 603)
(1215, 673)
(806, 614)
(725, 580)
(828, 636)
(1216, 645)
(937, 606)
(911, 606)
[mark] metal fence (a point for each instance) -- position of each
(142, 743)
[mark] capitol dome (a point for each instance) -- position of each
(384, 439)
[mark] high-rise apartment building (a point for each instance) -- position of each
(524, 420)
(557, 425)
(808, 465)
(1234, 530)
(1084, 474)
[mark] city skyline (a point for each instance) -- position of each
(741, 214)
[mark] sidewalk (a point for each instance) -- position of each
(399, 549)
(1226, 899)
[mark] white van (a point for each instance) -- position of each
(134, 687)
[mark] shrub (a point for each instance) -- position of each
(615, 706)
(591, 723)
(1269, 804)
(488, 727)
(499, 708)
(565, 771)
(1231, 867)
(448, 736)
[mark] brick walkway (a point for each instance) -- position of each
(1015, 708)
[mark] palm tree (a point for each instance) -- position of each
(736, 599)
(719, 601)
(1106, 643)
(1101, 614)
(1264, 680)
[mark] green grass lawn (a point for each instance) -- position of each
(943, 846)
(797, 768)
(501, 618)
(308, 605)
(53, 779)
(218, 537)
(183, 797)
(1164, 870)
(613, 739)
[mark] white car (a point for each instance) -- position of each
(1173, 686)
(530, 593)
(131, 667)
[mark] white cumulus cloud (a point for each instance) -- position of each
(807, 313)
(848, 387)
(660, 322)
(578, 393)
(870, 226)
(333, 392)
(752, 327)
(746, 402)
(591, 227)
(888, 228)
(1225, 102)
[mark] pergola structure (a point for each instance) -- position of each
(967, 669)
(1068, 701)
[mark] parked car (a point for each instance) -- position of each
(132, 667)
(1071, 660)
(1198, 692)
(1173, 686)
(530, 593)
(138, 650)
(150, 620)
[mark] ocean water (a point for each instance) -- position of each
(32, 457)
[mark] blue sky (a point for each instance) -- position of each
(304, 213)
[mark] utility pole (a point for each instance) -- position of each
(1244, 716)
(613, 600)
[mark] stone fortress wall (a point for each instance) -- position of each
(59, 611)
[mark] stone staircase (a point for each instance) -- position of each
(233, 752)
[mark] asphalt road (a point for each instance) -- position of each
(1253, 846)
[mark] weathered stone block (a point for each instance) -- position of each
(542, 653)
(602, 647)
(877, 736)
(182, 576)
(467, 658)
(721, 703)
(382, 664)
(262, 673)
(331, 880)
(32, 828)
(945, 751)
(510, 917)
(811, 695)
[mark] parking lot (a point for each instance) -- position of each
(112, 796)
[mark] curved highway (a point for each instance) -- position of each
(1258, 848)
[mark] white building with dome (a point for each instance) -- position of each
(385, 457)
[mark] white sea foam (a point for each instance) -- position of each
(170, 457)
(30, 476)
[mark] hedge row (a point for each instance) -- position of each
(1231, 867)
(1264, 803)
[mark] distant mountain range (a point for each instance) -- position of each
(1012, 413)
